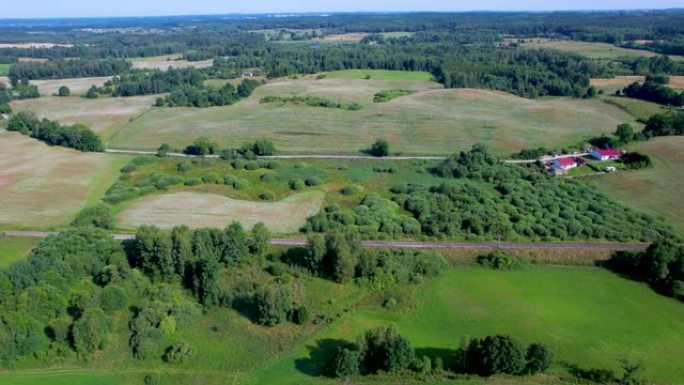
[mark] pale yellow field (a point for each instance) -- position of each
(43, 186)
(197, 210)
(104, 115)
(345, 37)
(164, 64)
(616, 83)
(77, 86)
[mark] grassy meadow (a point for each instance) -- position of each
(588, 317)
(656, 189)
(167, 61)
(433, 121)
(13, 249)
(380, 75)
(77, 86)
(4, 69)
(590, 50)
(43, 186)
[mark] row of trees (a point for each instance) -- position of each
(72, 68)
(665, 124)
(384, 350)
(655, 92)
(207, 96)
(77, 136)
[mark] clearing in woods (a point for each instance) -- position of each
(104, 115)
(588, 317)
(656, 190)
(43, 186)
(620, 82)
(431, 122)
(77, 86)
(198, 210)
(167, 61)
(591, 50)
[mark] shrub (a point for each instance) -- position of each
(185, 166)
(313, 181)
(350, 190)
(297, 185)
(272, 305)
(193, 182)
(380, 148)
(166, 181)
(538, 358)
(202, 146)
(252, 165)
(229, 180)
(63, 91)
(179, 353)
(498, 260)
(113, 298)
(269, 177)
(302, 315)
(267, 195)
(345, 363)
(241, 184)
(97, 216)
(129, 168)
(211, 178)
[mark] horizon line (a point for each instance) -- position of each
(323, 13)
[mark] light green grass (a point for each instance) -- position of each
(4, 69)
(639, 109)
(432, 121)
(13, 249)
(587, 317)
(590, 50)
(380, 75)
(656, 190)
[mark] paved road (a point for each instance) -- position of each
(418, 245)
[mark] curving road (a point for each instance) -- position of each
(416, 244)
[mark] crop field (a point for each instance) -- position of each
(197, 210)
(435, 121)
(616, 83)
(380, 75)
(591, 50)
(657, 189)
(4, 69)
(42, 186)
(353, 37)
(13, 249)
(78, 86)
(165, 62)
(104, 115)
(588, 317)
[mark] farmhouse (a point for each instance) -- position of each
(562, 165)
(604, 155)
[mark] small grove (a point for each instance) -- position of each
(53, 133)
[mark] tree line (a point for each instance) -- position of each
(656, 92)
(78, 136)
(208, 96)
(72, 68)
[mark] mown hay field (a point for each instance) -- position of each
(43, 186)
(167, 61)
(591, 50)
(104, 115)
(77, 86)
(198, 210)
(433, 121)
(588, 317)
(656, 190)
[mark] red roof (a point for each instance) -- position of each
(565, 162)
(609, 152)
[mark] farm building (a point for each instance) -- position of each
(604, 155)
(562, 165)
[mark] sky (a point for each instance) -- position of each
(109, 8)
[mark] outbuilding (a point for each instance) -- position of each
(604, 155)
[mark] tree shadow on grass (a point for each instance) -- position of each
(595, 375)
(448, 356)
(319, 356)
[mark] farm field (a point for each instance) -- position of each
(654, 190)
(380, 75)
(78, 86)
(104, 115)
(163, 63)
(588, 317)
(13, 249)
(43, 186)
(639, 109)
(198, 210)
(591, 50)
(435, 121)
(620, 82)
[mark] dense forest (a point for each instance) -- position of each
(62, 69)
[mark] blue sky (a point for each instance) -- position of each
(100, 8)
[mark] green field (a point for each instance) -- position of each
(380, 75)
(591, 50)
(639, 109)
(4, 69)
(588, 317)
(431, 121)
(657, 189)
(13, 249)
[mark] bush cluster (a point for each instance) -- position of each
(77, 136)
